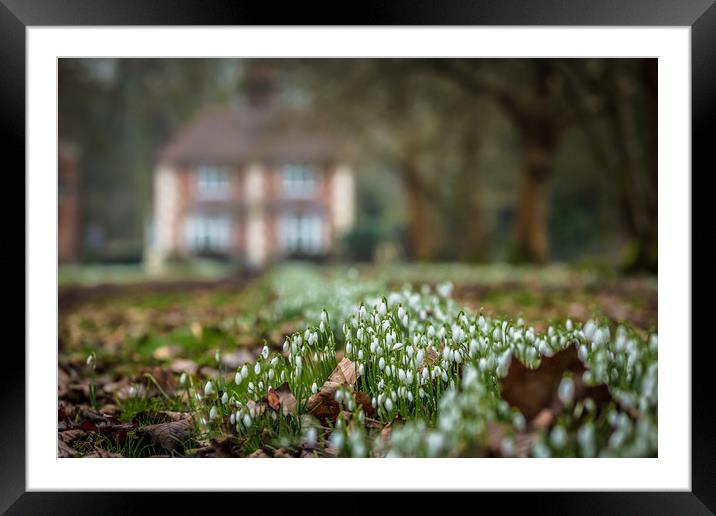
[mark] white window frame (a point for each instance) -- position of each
(212, 182)
(298, 181)
(301, 233)
(207, 233)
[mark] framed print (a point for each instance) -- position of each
(421, 246)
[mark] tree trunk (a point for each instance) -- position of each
(531, 243)
(420, 238)
(471, 226)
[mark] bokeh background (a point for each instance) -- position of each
(485, 161)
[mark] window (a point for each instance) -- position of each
(301, 233)
(212, 182)
(208, 233)
(298, 181)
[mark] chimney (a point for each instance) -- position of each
(259, 85)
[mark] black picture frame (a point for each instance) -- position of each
(700, 15)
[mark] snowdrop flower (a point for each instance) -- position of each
(298, 362)
(401, 375)
(311, 436)
(271, 374)
(244, 371)
(238, 378)
(421, 392)
(225, 398)
(397, 346)
(359, 334)
(90, 360)
(504, 363)
(405, 320)
(314, 388)
(362, 312)
(361, 369)
(285, 346)
(132, 392)
(382, 309)
(401, 312)
(381, 363)
(324, 316)
(445, 376)
(246, 420)
(388, 404)
(349, 348)
(232, 418)
(435, 443)
(257, 368)
(585, 438)
(360, 354)
(217, 356)
(251, 387)
(568, 325)
(339, 395)
(566, 390)
(213, 413)
(265, 352)
(337, 440)
(183, 379)
(419, 357)
(208, 388)
(558, 437)
(274, 361)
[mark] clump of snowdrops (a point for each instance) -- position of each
(423, 360)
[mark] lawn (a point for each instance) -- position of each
(362, 361)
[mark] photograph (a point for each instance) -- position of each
(357, 257)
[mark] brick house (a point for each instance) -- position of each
(252, 183)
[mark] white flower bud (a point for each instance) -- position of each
(213, 412)
(238, 378)
(257, 368)
(265, 352)
(183, 379)
(208, 388)
(314, 388)
(244, 371)
(225, 398)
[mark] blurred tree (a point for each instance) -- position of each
(119, 111)
(530, 93)
(617, 102)
(423, 126)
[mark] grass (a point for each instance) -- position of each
(430, 358)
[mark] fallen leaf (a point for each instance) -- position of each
(168, 435)
(184, 365)
(323, 404)
(65, 450)
(533, 390)
(281, 398)
(70, 436)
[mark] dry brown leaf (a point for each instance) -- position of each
(345, 373)
(258, 454)
(65, 450)
(533, 390)
(70, 436)
(281, 398)
(168, 435)
(323, 404)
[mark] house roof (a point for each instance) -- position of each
(248, 132)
